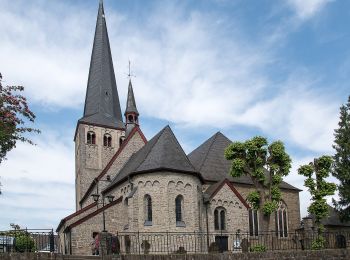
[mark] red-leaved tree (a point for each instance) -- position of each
(14, 111)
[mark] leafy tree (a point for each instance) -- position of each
(341, 169)
(266, 165)
(13, 111)
(316, 172)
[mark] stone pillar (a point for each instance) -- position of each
(105, 243)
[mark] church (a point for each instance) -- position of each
(126, 184)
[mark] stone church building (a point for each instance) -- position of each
(125, 183)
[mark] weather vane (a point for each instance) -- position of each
(129, 74)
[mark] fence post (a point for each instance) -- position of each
(167, 241)
(195, 242)
(138, 238)
(52, 241)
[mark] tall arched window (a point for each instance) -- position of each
(148, 210)
(91, 138)
(281, 220)
(253, 222)
(220, 218)
(179, 200)
(107, 140)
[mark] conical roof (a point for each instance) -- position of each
(209, 160)
(102, 105)
(130, 103)
(162, 152)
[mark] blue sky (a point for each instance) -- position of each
(274, 68)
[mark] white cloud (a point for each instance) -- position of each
(38, 182)
(307, 8)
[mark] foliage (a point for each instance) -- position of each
(13, 111)
(318, 243)
(341, 169)
(258, 248)
(319, 188)
(265, 164)
(24, 243)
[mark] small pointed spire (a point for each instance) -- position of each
(131, 104)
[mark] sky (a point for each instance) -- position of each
(279, 69)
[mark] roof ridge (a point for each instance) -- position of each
(188, 160)
(206, 155)
(149, 151)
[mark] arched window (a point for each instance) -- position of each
(107, 140)
(281, 220)
(131, 118)
(91, 138)
(148, 210)
(253, 222)
(179, 200)
(220, 218)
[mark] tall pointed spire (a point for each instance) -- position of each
(102, 105)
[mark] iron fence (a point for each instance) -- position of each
(197, 242)
(28, 240)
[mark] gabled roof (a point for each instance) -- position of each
(131, 103)
(162, 152)
(210, 161)
(216, 187)
(102, 105)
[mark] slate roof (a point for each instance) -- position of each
(102, 105)
(209, 160)
(162, 152)
(333, 219)
(130, 103)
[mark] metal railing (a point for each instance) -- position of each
(197, 242)
(28, 240)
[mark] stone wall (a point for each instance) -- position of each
(92, 158)
(134, 144)
(329, 254)
(290, 198)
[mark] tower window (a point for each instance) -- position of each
(131, 118)
(91, 137)
(107, 140)
(220, 218)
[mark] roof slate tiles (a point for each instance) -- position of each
(210, 161)
(102, 101)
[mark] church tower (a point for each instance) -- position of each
(101, 129)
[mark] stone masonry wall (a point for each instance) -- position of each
(134, 144)
(236, 212)
(329, 254)
(291, 199)
(92, 158)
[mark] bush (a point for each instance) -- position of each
(258, 248)
(24, 243)
(318, 243)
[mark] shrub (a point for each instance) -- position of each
(24, 243)
(258, 248)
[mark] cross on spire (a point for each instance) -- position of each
(130, 74)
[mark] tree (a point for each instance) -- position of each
(13, 111)
(341, 169)
(319, 188)
(266, 165)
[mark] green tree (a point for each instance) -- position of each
(266, 165)
(316, 172)
(341, 169)
(14, 111)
